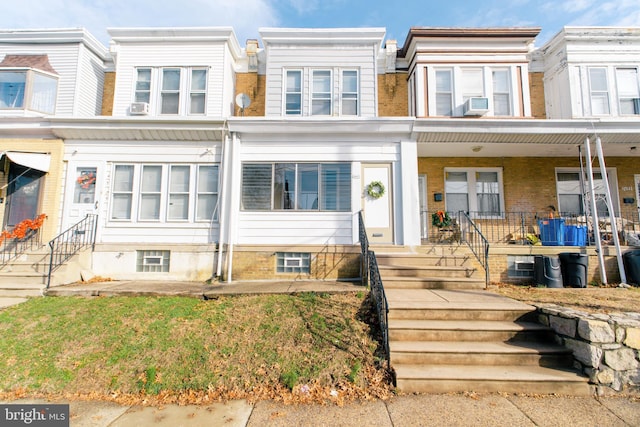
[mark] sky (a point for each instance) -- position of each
(246, 16)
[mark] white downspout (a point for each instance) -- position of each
(223, 204)
(594, 212)
(612, 214)
(234, 203)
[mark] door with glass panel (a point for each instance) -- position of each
(83, 189)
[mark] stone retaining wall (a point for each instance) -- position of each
(605, 346)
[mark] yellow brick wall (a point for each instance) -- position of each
(529, 182)
(51, 188)
(536, 90)
(259, 263)
(107, 93)
(253, 85)
(393, 98)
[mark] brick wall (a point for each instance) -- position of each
(52, 182)
(393, 97)
(259, 263)
(253, 85)
(536, 90)
(108, 92)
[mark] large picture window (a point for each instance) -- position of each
(296, 186)
(164, 193)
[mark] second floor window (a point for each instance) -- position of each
(293, 93)
(321, 92)
(28, 89)
(349, 93)
(599, 91)
(172, 90)
(444, 93)
(628, 90)
(501, 93)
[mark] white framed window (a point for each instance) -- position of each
(599, 91)
(628, 91)
(172, 90)
(293, 262)
(501, 92)
(198, 91)
(444, 92)
(472, 83)
(573, 194)
(28, 89)
(478, 191)
(349, 94)
(293, 92)
(164, 193)
(296, 186)
(143, 85)
(321, 95)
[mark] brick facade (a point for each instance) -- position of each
(392, 95)
(536, 91)
(52, 182)
(108, 92)
(253, 85)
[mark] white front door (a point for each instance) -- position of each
(377, 207)
(81, 192)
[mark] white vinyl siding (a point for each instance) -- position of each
(358, 58)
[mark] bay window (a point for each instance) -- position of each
(28, 89)
(164, 192)
(296, 186)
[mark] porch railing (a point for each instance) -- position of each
(12, 248)
(477, 242)
(70, 241)
(371, 277)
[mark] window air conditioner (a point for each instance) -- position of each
(139, 108)
(476, 106)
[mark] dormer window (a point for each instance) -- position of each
(25, 87)
(321, 92)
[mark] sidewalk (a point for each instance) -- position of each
(414, 410)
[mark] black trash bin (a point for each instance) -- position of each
(547, 272)
(631, 261)
(574, 269)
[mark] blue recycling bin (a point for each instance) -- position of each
(575, 235)
(552, 231)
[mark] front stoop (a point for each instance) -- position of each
(447, 340)
(25, 276)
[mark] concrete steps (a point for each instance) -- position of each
(26, 275)
(457, 340)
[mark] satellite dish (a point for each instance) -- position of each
(243, 100)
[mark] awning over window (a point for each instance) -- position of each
(37, 161)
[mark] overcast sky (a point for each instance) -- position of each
(246, 16)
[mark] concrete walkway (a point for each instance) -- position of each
(414, 410)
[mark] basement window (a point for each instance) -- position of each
(293, 262)
(152, 261)
(519, 266)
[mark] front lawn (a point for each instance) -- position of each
(292, 347)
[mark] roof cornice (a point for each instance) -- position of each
(54, 36)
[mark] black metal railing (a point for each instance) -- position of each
(477, 242)
(70, 241)
(371, 277)
(12, 248)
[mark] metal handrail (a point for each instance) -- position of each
(473, 237)
(12, 248)
(370, 274)
(70, 241)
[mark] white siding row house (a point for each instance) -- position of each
(205, 159)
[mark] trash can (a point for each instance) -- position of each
(575, 235)
(552, 231)
(631, 261)
(547, 272)
(574, 269)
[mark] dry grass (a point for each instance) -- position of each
(592, 299)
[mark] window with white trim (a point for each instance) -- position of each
(293, 92)
(599, 91)
(321, 92)
(444, 92)
(501, 93)
(164, 193)
(296, 186)
(628, 91)
(472, 83)
(478, 191)
(172, 90)
(28, 89)
(573, 194)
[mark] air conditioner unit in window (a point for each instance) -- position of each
(139, 108)
(476, 106)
